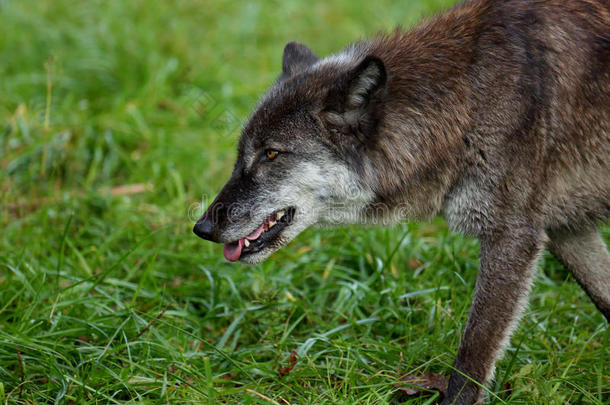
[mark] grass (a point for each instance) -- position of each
(107, 297)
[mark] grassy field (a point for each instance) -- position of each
(118, 121)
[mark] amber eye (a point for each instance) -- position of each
(271, 154)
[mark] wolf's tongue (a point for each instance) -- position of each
(254, 235)
(232, 250)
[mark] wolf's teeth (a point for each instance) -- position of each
(279, 215)
(246, 242)
(272, 223)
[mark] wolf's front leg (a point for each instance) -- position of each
(508, 261)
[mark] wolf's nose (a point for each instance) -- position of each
(204, 228)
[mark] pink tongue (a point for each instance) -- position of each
(232, 251)
(254, 235)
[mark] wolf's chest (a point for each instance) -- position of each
(468, 207)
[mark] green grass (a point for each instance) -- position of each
(110, 298)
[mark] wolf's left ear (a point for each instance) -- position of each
(296, 57)
(356, 103)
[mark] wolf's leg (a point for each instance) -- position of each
(585, 254)
(508, 262)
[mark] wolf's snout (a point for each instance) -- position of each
(204, 228)
(212, 221)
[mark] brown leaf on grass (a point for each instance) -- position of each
(416, 385)
(22, 375)
(83, 338)
(508, 389)
(129, 189)
(414, 263)
(293, 361)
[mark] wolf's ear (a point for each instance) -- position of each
(296, 57)
(355, 105)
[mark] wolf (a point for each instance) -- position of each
(495, 115)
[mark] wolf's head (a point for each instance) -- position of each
(300, 159)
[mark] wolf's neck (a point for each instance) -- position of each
(428, 65)
(428, 108)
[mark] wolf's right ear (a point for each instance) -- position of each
(355, 103)
(296, 57)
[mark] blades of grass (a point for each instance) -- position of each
(396, 247)
(60, 258)
(507, 371)
(422, 292)
(229, 331)
(116, 264)
(583, 391)
(570, 363)
(304, 348)
(213, 290)
(212, 347)
(47, 116)
(81, 259)
(143, 278)
(91, 389)
(289, 330)
(209, 381)
(603, 364)
(109, 344)
(13, 298)
(432, 399)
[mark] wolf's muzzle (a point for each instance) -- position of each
(204, 228)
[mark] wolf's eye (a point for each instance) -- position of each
(271, 154)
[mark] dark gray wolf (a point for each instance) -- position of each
(495, 115)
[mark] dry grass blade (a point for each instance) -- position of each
(261, 396)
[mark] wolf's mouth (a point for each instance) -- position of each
(267, 232)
